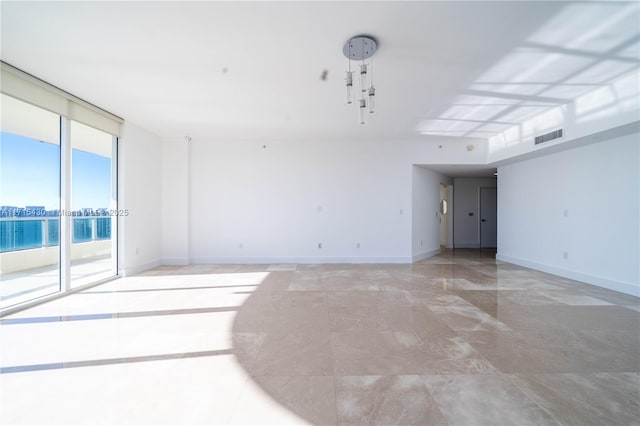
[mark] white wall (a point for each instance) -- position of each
(276, 201)
(598, 187)
(175, 202)
(466, 194)
(139, 188)
(425, 229)
(250, 203)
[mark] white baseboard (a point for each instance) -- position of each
(574, 275)
(298, 260)
(126, 272)
(425, 255)
(175, 261)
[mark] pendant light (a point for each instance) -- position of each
(361, 48)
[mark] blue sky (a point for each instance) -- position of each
(30, 169)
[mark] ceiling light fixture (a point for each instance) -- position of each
(361, 48)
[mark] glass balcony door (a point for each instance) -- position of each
(93, 204)
(29, 202)
(58, 203)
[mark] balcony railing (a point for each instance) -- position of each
(31, 233)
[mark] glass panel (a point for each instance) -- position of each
(54, 232)
(103, 228)
(30, 202)
(92, 203)
(82, 230)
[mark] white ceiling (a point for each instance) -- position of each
(463, 170)
(467, 69)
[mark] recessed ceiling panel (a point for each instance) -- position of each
(522, 88)
(445, 125)
(568, 91)
(602, 72)
(522, 113)
(494, 127)
(473, 113)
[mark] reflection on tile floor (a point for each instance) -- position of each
(457, 339)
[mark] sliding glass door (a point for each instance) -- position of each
(37, 256)
(93, 204)
(29, 202)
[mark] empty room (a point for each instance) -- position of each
(367, 212)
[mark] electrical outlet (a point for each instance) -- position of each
(565, 255)
(357, 245)
(566, 213)
(401, 211)
(421, 243)
(240, 245)
(137, 250)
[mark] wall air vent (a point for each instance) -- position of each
(548, 136)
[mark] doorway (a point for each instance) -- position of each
(488, 217)
(445, 215)
(444, 208)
